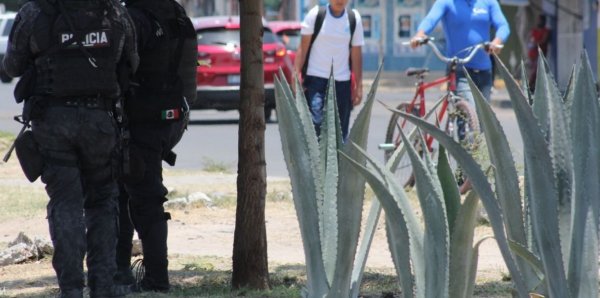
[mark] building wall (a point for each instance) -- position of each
(389, 23)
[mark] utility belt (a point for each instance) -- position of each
(89, 102)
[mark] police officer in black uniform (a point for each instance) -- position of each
(68, 51)
(157, 114)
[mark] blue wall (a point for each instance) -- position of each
(399, 63)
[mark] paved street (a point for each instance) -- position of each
(212, 136)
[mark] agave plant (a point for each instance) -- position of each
(437, 259)
(552, 232)
(328, 205)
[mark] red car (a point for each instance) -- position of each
(289, 34)
(218, 73)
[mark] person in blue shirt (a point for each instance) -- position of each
(467, 23)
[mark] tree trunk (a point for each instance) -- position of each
(250, 266)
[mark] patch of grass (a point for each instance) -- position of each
(215, 166)
(210, 276)
(22, 201)
(380, 284)
(279, 196)
(224, 200)
(493, 289)
(6, 139)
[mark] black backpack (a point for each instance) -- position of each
(319, 24)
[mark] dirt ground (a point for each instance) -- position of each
(208, 231)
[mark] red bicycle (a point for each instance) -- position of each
(454, 114)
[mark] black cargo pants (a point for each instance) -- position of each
(144, 197)
(77, 145)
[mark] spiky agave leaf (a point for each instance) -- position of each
(399, 248)
(436, 241)
(585, 132)
(550, 106)
(529, 257)
(461, 248)
(449, 188)
(365, 245)
(483, 188)
(300, 104)
(473, 270)
(296, 147)
(588, 283)
(543, 194)
(351, 189)
(568, 97)
(507, 179)
(330, 141)
(405, 227)
(525, 81)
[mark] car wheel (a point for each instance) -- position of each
(4, 77)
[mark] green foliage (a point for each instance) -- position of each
(431, 250)
(215, 166)
(328, 208)
(5, 140)
(22, 201)
(552, 231)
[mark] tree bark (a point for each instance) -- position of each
(250, 265)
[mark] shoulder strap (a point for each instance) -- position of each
(179, 24)
(352, 20)
(318, 24)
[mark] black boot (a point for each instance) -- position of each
(124, 276)
(154, 244)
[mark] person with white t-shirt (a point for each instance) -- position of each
(334, 45)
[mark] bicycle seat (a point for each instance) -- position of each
(412, 71)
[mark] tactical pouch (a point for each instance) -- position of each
(25, 85)
(29, 156)
(136, 165)
(34, 108)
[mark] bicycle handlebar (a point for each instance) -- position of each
(473, 50)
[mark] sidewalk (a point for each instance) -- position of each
(397, 80)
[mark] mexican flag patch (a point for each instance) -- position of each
(169, 114)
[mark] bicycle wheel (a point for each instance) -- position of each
(393, 139)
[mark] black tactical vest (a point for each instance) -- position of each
(80, 46)
(166, 75)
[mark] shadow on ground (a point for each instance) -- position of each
(202, 280)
